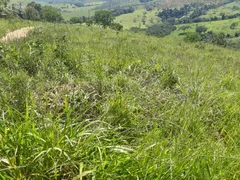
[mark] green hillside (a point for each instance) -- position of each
(217, 26)
(82, 102)
(136, 18)
(228, 9)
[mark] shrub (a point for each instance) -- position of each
(192, 37)
(201, 29)
(116, 26)
(233, 25)
(161, 30)
(184, 28)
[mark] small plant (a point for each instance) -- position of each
(168, 77)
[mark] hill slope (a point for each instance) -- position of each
(81, 102)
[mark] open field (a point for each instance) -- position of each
(82, 102)
(215, 26)
(136, 18)
(228, 9)
(23, 2)
(72, 11)
(221, 26)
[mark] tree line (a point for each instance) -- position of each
(36, 12)
(202, 34)
(191, 13)
(103, 18)
(33, 11)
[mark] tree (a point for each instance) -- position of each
(31, 14)
(35, 5)
(33, 11)
(3, 3)
(104, 18)
(84, 19)
(51, 14)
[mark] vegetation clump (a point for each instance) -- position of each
(161, 30)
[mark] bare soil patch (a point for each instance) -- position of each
(20, 33)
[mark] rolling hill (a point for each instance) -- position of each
(87, 102)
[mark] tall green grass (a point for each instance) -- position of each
(90, 103)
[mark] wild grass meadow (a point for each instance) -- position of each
(82, 102)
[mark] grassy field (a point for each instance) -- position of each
(83, 102)
(215, 26)
(228, 9)
(70, 10)
(136, 18)
(221, 26)
(23, 2)
(87, 11)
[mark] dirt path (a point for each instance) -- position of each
(20, 33)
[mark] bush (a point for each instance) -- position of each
(184, 28)
(76, 20)
(192, 37)
(161, 30)
(201, 29)
(233, 25)
(116, 26)
(89, 22)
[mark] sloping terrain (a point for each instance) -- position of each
(90, 103)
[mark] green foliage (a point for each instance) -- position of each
(75, 20)
(16, 90)
(184, 28)
(161, 30)
(3, 4)
(138, 30)
(201, 29)
(233, 25)
(192, 37)
(116, 26)
(120, 11)
(88, 103)
(51, 14)
(219, 39)
(35, 11)
(89, 22)
(168, 77)
(104, 18)
(31, 14)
